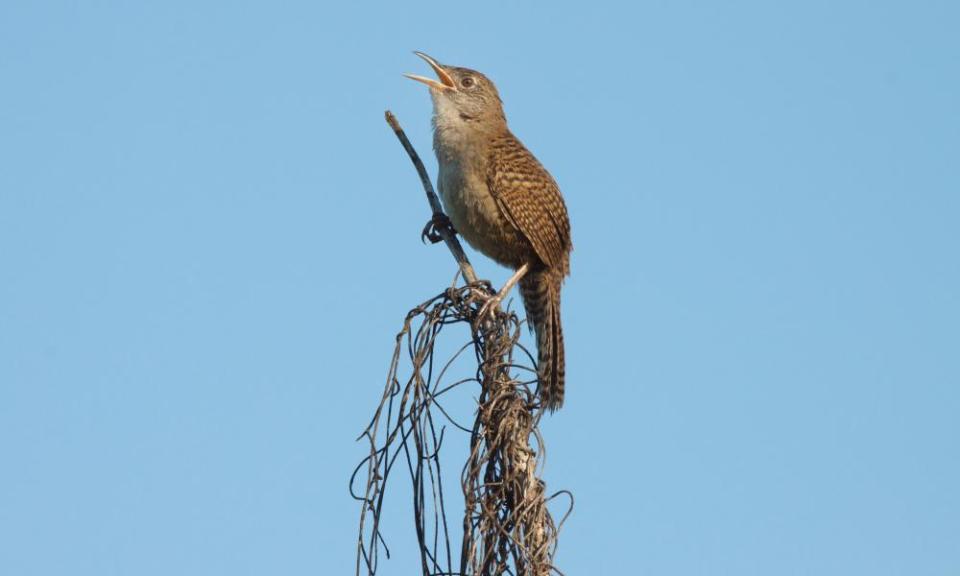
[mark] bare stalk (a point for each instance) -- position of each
(506, 526)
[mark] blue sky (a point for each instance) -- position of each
(209, 237)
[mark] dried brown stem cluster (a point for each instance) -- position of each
(506, 527)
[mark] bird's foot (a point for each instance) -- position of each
(488, 307)
(431, 231)
(496, 299)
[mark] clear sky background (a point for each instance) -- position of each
(209, 238)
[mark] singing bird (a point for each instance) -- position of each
(504, 203)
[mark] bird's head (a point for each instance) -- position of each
(462, 97)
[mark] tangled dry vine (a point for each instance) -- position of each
(507, 527)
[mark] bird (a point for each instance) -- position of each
(504, 203)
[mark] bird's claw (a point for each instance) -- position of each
(488, 307)
(431, 231)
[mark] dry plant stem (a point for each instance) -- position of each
(507, 527)
(449, 238)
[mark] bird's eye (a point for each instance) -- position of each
(467, 82)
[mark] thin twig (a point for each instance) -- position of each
(449, 238)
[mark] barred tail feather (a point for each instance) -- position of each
(541, 298)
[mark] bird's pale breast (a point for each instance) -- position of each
(476, 215)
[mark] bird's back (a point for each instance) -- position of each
(530, 200)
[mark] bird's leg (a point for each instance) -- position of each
(495, 300)
(431, 231)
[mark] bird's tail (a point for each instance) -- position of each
(540, 290)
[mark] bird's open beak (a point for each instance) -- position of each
(446, 81)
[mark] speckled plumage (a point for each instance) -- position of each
(505, 204)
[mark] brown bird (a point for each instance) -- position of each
(504, 203)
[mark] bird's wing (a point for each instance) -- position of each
(530, 199)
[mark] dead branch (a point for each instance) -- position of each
(507, 527)
(445, 232)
